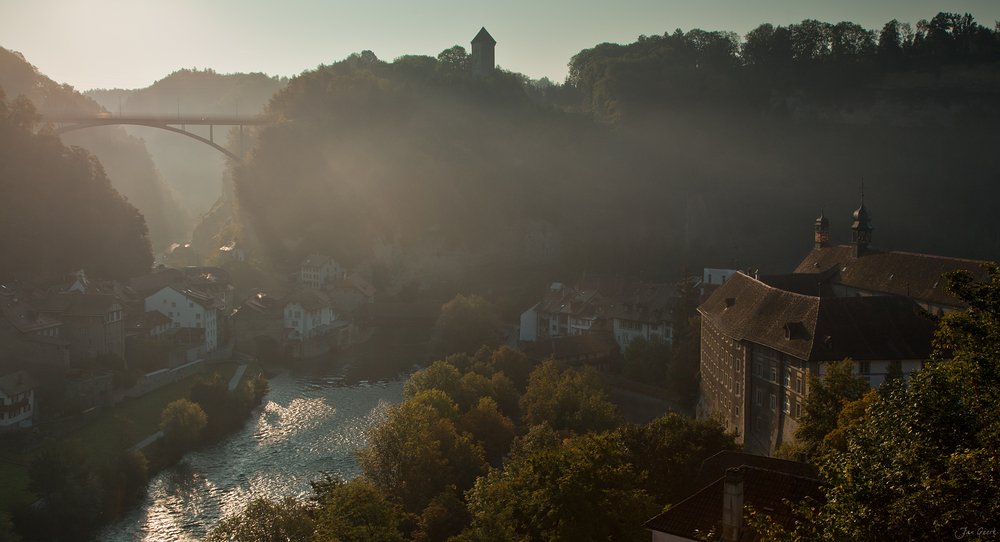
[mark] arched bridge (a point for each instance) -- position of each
(68, 123)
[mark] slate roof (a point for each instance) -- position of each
(259, 306)
(17, 383)
(77, 304)
(358, 282)
(484, 37)
(315, 260)
(893, 273)
(611, 296)
(309, 298)
(205, 301)
(715, 467)
(24, 316)
(763, 489)
(819, 328)
(148, 285)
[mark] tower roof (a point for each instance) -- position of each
(822, 220)
(484, 37)
(862, 217)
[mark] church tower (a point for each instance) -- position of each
(483, 54)
(861, 231)
(822, 231)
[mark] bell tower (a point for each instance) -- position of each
(861, 231)
(822, 231)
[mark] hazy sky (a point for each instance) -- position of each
(132, 43)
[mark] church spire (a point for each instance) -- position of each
(822, 231)
(861, 231)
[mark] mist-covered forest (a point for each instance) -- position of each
(699, 147)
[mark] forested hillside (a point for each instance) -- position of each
(698, 146)
(59, 212)
(127, 162)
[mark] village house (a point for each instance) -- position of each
(189, 311)
(320, 271)
(311, 320)
(625, 306)
(28, 336)
(233, 252)
(17, 401)
(352, 292)
(149, 324)
(761, 338)
(94, 323)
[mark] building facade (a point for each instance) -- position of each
(188, 309)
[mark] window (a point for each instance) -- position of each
(197, 316)
(787, 380)
(784, 405)
(737, 388)
(758, 369)
(798, 385)
(757, 423)
(865, 367)
(170, 314)
(774, 375)
(758, 396)
(191, 305)
(173, 304)
(198, 324)
(737, 412)
(774, 402)
(798, 410)
(164, 301)
(177, 324)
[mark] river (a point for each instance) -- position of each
(316, 414)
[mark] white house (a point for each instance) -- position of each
(188, 309)
(17, 400)
(308, 313)
(319, 270)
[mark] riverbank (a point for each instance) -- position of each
(119, 428)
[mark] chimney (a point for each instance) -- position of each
(732, 504)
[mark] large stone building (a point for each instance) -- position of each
(483, 54)
(760, 338)
(94, 323)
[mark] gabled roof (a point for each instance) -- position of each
(819, 329)
(309, 299)
(148, 285)
(316, 260)
(484, 37)
(195, 296)
(893, 273)
(358, 282)
(17, 383)
(77, 304)
(765, 490)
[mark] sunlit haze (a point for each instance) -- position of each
(131, 44)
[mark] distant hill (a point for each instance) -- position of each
(126, 160)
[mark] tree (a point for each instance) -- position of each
(182, 423)
(415, 454)
(465, 325)
(825, 401)
(582, 490)
(646, 360)
(357, 511)
(489, 426)
(573, 400)
(454, 58)
(264, 520)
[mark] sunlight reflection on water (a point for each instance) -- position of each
(310, 423)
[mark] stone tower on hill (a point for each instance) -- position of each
(483, 54)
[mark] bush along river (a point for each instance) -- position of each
(316, 415)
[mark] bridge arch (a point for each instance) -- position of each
(80, 122)
(211, 143)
